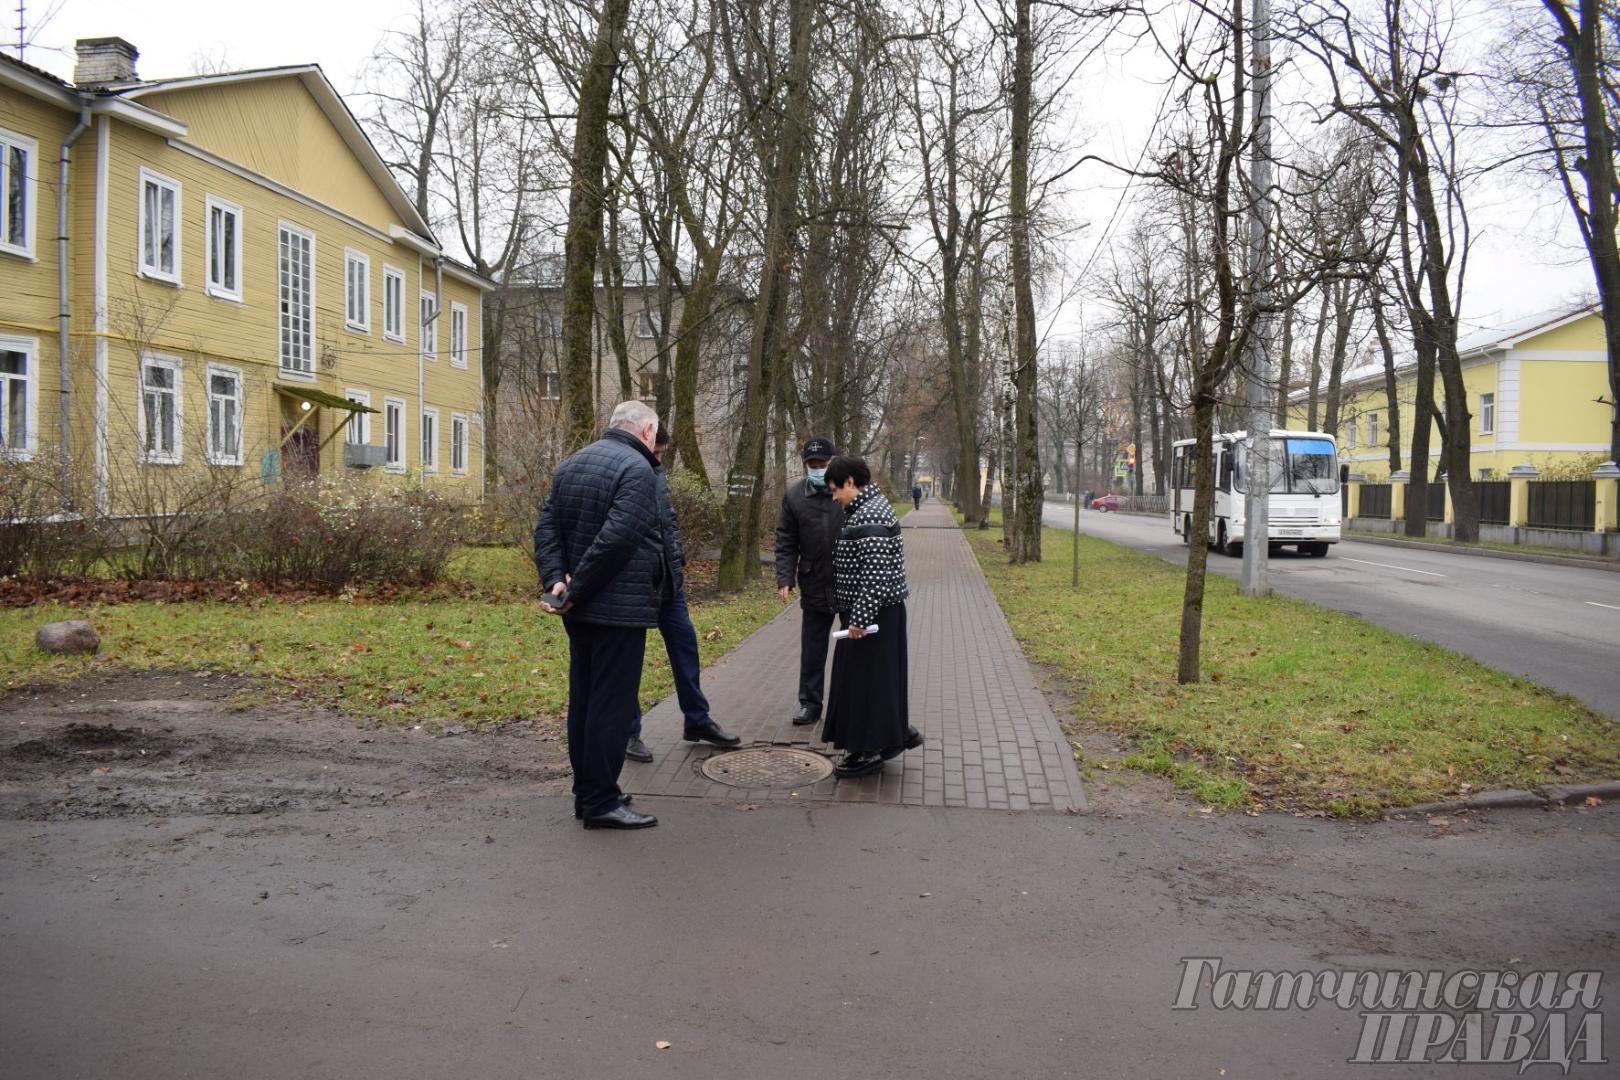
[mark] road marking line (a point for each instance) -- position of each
(1391, 566)
(1611, 607)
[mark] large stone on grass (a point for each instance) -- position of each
(73, 636)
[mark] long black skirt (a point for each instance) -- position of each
(867, 707)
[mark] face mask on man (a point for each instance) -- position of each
(818, 476)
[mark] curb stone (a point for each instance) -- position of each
(1546, 796)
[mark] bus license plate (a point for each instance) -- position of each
(1290, 532)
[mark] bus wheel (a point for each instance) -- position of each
(1186, 529)
(1317, 550)
(1226, 546)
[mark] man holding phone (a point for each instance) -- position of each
(603, 564)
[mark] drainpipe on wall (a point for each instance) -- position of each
(65, 471)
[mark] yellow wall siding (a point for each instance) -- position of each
(274, 127)
(1582, 335)
(1559, 402)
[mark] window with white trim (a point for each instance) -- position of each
(159, 227)
(394, 434)
(430, 440)
(1350, 434)
(1372, 429)
(429, 326)
(648, 323)
(224, 247)
(160, 410)
(393, 303)
(357, 291)
(458, 443)
(19, 167)
(357, 428)
(458, 335)
(1487, 414)
(549, 324)
(550, 381)
(19, 396)
(296, 290)
(224, 415)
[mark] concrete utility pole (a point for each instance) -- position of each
(1257, 480)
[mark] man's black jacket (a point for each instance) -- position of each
(603, 523)
(807, 531)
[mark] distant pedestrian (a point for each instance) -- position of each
(807, 530)
(602, 558)
(680, 636)
(868, 712)
(916, 496)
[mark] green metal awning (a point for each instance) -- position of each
(321, 397)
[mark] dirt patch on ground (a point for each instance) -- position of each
(117, 744)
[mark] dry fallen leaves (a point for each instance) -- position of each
(662, 1045)
(747, 806)
(1594, 800)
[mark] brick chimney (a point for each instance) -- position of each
(107, 61)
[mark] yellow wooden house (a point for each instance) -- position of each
(217, 277)
(1538, 392)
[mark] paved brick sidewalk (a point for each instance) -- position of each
(992, 741)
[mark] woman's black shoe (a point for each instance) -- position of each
(857, 765)
(914, 739)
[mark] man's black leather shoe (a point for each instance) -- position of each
(624, 800)
(621, 818)
(712, 734)
(914, 739)
(636, 750)
(807, 715)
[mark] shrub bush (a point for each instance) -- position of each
(699, 511)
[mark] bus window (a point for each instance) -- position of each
(1311, 466)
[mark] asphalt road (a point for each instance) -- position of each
(489, 937)
(1557, 625)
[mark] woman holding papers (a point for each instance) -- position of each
(867, 712)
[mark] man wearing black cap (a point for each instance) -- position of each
(806, 532)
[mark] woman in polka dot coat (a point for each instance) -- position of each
(867, 707)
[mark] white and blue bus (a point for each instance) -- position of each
(1304, 508)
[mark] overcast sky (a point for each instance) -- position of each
(1527, 258)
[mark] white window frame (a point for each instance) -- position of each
(549, 324)
(1350, 433)
(356, 317)
(155, 270)
(394, 284)
(298, 373)
(458, 443)
(395, 408)
(428, 330)
(1487, 414)
(240, 403)
(29, 347)
(429, 427)
(647, 320)
(16, 140)
(174, 456)
(1372, 429)
(357, 428)
(458, 335)
(212, 204)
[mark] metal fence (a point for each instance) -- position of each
(1562, 504)
(1375, 501)
(1437, 500)
(1493, 501)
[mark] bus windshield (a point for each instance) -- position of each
(1299, 466)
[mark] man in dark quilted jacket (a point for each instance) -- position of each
(603, 563)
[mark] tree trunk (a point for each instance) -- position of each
(1392, 398)
(587, 167)
(1192, 601)
(1027, 419)
(745, 484)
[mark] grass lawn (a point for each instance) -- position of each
(480, 653)
(1300, 706)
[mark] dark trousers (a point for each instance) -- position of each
(680, 642)
(813, 642)
(604, 675)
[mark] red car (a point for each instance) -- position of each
(1108, 502)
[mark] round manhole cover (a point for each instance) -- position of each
(766, 767)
